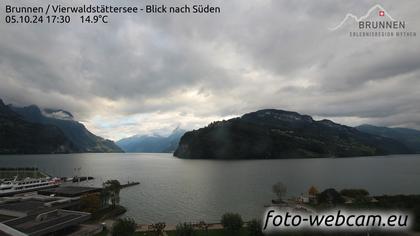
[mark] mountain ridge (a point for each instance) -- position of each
(409, 137)
(277, 134)
(152, 143)
(18, 136)
(77, 133)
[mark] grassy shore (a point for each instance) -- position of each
(244, 232)
(409, 203)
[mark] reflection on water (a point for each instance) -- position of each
(174, 190)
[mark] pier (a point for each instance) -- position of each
(129, 184)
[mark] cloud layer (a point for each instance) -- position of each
(150, 73)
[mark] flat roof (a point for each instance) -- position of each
(18, 207)
(69, 191)
(24, 206)
(6, 218)
(47, 222)
(3, 233)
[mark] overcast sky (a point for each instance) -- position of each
(150, 73)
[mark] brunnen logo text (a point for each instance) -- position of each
(377, 22)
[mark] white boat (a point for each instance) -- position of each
(10, 187)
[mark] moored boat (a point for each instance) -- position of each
(11, 187)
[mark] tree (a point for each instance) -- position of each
(279, 189)
(112, 189)
(232, 222)
(124, 227)
(330, 196)
(158, 228)
(354, 193)
(204, 226)
(184, 229)
(255, 228)
(358, 195)
(313, 191)
(90, 202)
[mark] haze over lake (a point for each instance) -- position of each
(174, 190)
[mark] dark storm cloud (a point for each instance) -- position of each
(191, 69)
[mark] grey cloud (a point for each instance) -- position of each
(261, 54)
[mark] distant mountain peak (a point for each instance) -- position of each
(410, 137)
(177, 130)
(152, 143)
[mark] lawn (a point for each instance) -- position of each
(243, 232)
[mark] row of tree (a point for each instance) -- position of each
(232, 225)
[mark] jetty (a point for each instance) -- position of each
(129, 184)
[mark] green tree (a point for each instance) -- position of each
(112, 189)
(124, 227)
(158, 228)
(280, 190)
(204, 226)
(354, 193)
(232, 223)
(184, 229)
(358, 195)
(254, 228)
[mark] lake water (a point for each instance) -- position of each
(175, 190)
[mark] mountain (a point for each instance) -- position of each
(152, 143)
(409, 137)
(272, 134)
(18, 136)
(74, 131)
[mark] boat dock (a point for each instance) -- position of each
(129, 184)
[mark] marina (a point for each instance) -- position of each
(24, 179)
(21, 180)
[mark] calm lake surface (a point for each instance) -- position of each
(173, 190)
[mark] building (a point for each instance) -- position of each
(52, 211)
(43, 223)
(77, 192)
(70, 191)
(34, 204)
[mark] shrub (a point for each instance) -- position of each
(184, 229)
(280, 190)
(232, 222)
(354, 193)
(124, 227)
(254, 228)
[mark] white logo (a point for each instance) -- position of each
(381, 12)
